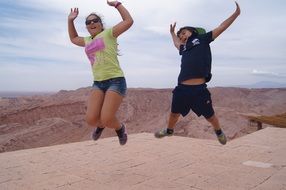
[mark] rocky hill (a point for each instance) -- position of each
(35, 121)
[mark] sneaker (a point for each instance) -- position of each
(162, 133)
(122, 135)
(97, 133)
(222, 138)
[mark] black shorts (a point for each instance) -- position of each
(195, 97)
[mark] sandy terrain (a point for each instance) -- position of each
(35, 121)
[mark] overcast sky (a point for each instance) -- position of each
(37, 55)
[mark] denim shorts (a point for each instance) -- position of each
(192, 97)
(115, 84)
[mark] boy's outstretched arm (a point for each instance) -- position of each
(225, 24)
(175, 38)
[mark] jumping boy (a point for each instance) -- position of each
(191, 93)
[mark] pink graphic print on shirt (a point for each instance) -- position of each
(92, 48)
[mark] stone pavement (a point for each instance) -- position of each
(253, 162)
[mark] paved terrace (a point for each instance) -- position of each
(256, 161)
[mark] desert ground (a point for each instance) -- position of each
(45, 120)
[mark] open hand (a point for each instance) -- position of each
(172, 28)
(237, 11)
(73, 14)
(111, 3)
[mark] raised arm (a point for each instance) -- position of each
(75, 39)
(175, 38)
(126, 22)
(225, 24)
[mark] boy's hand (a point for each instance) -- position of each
(237, 11)
(175, 38)
(73, 14)
(172, 28)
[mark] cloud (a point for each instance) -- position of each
(34, 41)
(268, 74)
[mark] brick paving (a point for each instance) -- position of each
(253, 162)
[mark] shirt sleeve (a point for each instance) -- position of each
(109, 32)
(87, 40)
(207, 37)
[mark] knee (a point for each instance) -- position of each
(106, 120)
(92, 121)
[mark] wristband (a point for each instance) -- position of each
(117, 4)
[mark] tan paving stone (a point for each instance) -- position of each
(256, 161)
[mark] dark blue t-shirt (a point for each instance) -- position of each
(196, 58)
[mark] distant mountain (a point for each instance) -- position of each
(14, 94)
(264, 84)
(45, 120)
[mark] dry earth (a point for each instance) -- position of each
(35, 121)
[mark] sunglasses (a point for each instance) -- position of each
(95, 20)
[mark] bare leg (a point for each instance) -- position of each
(94, 106)
(110, 106)
(214, 121)
(219, 133)
(173, 118)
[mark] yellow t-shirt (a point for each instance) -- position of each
(102, 54)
